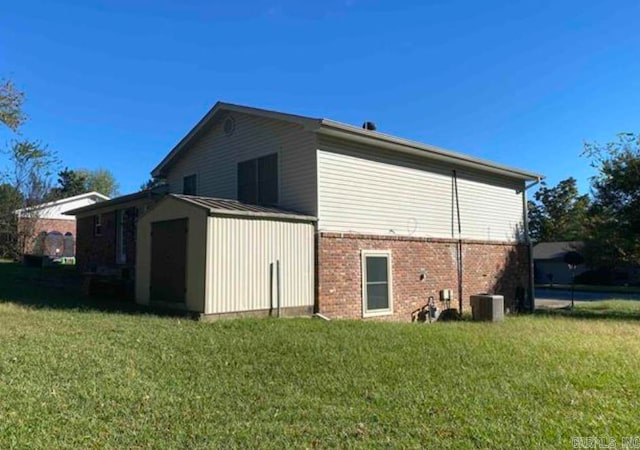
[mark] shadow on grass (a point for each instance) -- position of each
(604, 310)
(60, 287)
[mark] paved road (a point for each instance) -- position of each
(553, 294)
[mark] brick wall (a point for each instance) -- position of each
(99, 252)
(40, 225)
(487, 267)
(94, 251)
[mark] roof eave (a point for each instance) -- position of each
(339, 130)
(259, 215)
(208, 118)
(123, 199)
(63, 201)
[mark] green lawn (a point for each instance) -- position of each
(83, 378)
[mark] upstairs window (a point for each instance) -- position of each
(258, 180)
(189, 185)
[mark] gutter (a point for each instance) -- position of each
(525, 221)
(386, 141)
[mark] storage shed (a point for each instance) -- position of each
(221, 257)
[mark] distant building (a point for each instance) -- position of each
(49, 232)
(549, 265)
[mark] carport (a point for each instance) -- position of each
(221, 257)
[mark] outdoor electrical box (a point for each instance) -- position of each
(487, 307)
(446, 295)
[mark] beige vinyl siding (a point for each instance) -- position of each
(214, 157)
(240, 255)
(196, 251)
(373, 191)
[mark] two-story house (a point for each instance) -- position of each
(312, 214)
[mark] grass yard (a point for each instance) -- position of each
(74, 377)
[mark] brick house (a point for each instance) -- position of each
(395, 221)
(46, 228)
(107, 233)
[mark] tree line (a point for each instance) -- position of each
(27, 177)
(607, 219)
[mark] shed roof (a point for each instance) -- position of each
(343, 131)
(555, 250)
(223, 206)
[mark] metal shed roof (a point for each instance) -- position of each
(223, 206)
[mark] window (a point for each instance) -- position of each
(189, 185)
(377, 298)
(97, 225)
(258, 180)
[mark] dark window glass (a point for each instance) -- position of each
(189, 185)
(247, 182)
(376, 269)
(268, 180)
(377, 296)
(258, 180)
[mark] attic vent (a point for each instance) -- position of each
(229, 125)
(369, 126)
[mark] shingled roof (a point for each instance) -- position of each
(555, 250)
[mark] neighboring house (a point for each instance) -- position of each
(393, 221)
(548, 260)
(47, 230)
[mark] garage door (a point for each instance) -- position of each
(169, 260)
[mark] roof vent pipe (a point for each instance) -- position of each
(369, 126)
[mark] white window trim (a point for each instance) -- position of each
(363, 261)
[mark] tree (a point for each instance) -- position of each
(10, 201)
(76, 182)
(11, 100)
(100, 180)
(152, 183)
(615, 225)
(558, 213)
(28, 183)
(70, 183)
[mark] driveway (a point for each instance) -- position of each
(556, 298)
(556, 294)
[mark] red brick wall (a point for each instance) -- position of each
(47, 225)
(487, 267)
(95, 252)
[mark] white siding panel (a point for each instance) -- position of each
(241, 252)
(214, 157)
(380, 192)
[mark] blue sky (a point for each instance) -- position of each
(117, 83)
